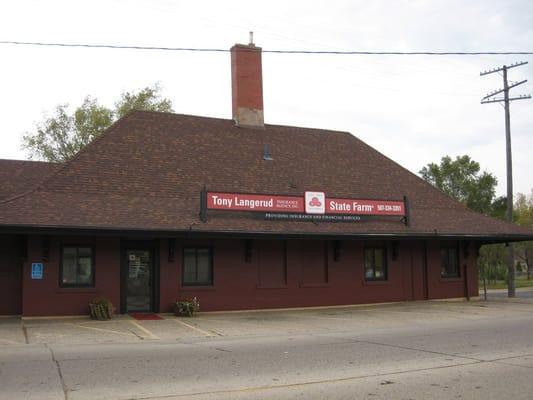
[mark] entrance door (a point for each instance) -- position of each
(139, 280)
(10, 276)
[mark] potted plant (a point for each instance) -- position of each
(101, 309)
(186, 307)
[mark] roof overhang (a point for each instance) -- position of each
(195, 233)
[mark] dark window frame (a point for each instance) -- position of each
(93, 264)
(211, 266)
(444, 272)
(385, 262)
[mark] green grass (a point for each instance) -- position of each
(520, 283)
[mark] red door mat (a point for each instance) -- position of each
(145, 316)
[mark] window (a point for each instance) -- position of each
(77, 267)
(375, 264)
(449, 262)
(197, 266)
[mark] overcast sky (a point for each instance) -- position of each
(414, 109)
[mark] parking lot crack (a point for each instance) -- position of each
(64, 386)
(420, 350)
(250, 389)
(136, 334)
(221, 349)
(513, 365)
(24, 331)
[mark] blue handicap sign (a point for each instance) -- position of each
(37, 270)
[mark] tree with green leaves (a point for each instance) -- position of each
(523, 215)
(461, 179)
(60, 136)
(492, 263)
(498, 208)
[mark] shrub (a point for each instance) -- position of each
(186, 307)
(101, 309)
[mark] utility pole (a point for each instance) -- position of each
(489, 98)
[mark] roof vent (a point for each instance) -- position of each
(266, 153)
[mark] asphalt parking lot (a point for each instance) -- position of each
(125, 329)
(409, 350)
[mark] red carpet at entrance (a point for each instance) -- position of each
(145, 316)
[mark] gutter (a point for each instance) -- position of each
(181, 233)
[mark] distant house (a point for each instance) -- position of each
(238, 213)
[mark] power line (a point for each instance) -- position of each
(216, 50)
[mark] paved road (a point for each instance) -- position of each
(414, 351)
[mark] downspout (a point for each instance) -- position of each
(425, 261)
(467, 295)
(466, 254)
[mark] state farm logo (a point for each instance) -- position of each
(315, 202)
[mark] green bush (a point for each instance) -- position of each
(186, 307)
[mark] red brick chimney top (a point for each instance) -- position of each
(247, 85)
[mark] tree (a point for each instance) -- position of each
(148, 99)
(492, 257)
(60, 136)
(498, 208)
(492, 263)
(462, 180)
(524, 216)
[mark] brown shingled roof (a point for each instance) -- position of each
(146, 173)
(17, 176)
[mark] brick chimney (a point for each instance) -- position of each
(247, 85)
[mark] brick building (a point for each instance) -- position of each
(240, 214)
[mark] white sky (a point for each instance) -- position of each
(414, 109)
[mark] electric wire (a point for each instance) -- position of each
(218, 50)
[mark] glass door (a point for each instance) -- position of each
(139, 280)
